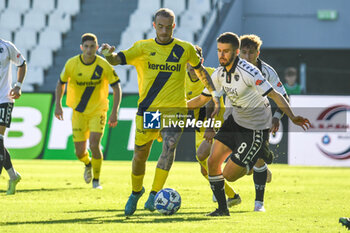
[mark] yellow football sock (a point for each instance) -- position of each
(96, 167)
(86, 158)
(159, 179)
(137, 182)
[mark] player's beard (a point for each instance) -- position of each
(225, 62)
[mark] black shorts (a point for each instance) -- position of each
(247, 145)
(6, 114)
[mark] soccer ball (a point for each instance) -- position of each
(167, 201)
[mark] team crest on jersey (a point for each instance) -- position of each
(152, 54)
(236, 77)
(259, 82)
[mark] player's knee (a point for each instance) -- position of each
(259, 163)
(94, 146)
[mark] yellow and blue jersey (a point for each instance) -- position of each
(161, 70)
(87, 90)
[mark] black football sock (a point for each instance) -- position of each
(217, 185)
(2, 153)
(259, 178)
(7, 163)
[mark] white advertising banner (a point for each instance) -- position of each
(327, 142)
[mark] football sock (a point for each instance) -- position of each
(136, 182)
(8, 166)
(159, 179)
(217, 185)
(2, 152)
(86, 158)
(96, 167)
(259, 178)
(230, 192)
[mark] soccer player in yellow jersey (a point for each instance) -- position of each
(193, 89)
(88, 76)
(161, 68)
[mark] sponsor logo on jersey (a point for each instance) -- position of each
(259, 82)
(279, 84)
(88, 83)
(164, 67)
(18, 55)
(152, 54)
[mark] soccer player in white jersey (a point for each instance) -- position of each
(250, 50)
(244, 135)
(9, 54)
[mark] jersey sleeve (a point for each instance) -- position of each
(112, 77)
(15, 55)
(65, 73)
(261, 84)
(131, 55)
(193, 58)
(275, 82)
(217, 84)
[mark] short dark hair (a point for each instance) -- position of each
(229, 38)
(290, 71)
(250, 41)
(88, 36)
(165, 12)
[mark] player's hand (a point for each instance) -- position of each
(113, 120)
(15, 92)
(302, 122)
(217, 106)
(275, 125)
(59, 113)
(209, 135)
(106, 49)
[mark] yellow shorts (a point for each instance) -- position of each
(83, 124)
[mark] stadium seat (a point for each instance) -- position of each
(177, 6)
(6, 34)
(35, 75)
(71, 7)
(20, 6)
(45, 7)
(193, 17)
(184, 34)
(129, 37)
(140, 20)
(10, 20)
(41, 57)
(2, 5)
(34, 20)
(50, 39)
(25, 38)
(200, 6)
(148, 6)
(60, 21)
(132, 85)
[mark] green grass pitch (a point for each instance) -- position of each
(53, 197)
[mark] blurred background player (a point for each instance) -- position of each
(291, 85)
(9, 54)
(193, 89)
(250, 51)
(161, 87)
(244, 134)
(88, 76)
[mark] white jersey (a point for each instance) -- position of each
(271, 75)
(8, 54)
(246, 89)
